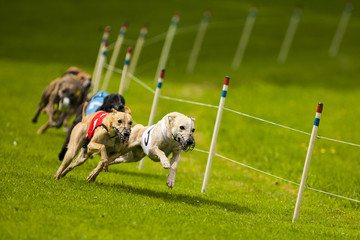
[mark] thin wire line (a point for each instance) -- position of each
(269, 174)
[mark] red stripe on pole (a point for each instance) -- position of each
(129, 50)
(162, 73)
(107, 29)
(226, 81)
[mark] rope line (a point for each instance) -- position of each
(272, 175)
(230, 110)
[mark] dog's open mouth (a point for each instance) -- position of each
(123, 135)
(186, 145)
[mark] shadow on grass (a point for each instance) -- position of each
(195, 201)
(137, 174)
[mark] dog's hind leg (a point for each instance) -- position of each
(83, 156)
(77, 140)
(43, 128)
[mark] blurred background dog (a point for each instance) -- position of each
(62, 97)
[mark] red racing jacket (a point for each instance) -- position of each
(96, 122)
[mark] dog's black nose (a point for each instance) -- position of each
(126, 134)
(189, 141)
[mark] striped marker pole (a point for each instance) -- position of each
(307, 161)
(244, 37)
(215, 133)
(103, 47)
(138, 47)
(333, 51)
(198, 41)
(114, 56)
(124, 70)
(289, 36)
(167, 44)
(154, 107)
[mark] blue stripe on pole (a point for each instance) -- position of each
(104, 53)
(317, 121)
(223, 94)
(159, 85)
(122, 32)
(127, 62)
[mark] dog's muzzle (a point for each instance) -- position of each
(123, 135)
(186, 144)
(64, 104)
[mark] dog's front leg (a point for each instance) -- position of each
(50, 108)
(161, 156)
(94, 147)
(175, 160)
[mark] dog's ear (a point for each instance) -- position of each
(127, 110)
(114, 110)
(193, 119)
(171, 117)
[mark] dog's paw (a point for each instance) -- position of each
(170, 183)
(106, 166)
(166, 165)
(92, 177)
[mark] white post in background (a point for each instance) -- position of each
(154, 106)
(307, 161)
(124, 70)
(289, 36)
(167, 44)
(198, 41)
(100, 57)
(244, 37)
(340, 30)
(114, 56)
(138, 47)
(215, 134)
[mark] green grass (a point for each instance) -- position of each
(40, 40)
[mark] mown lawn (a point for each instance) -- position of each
(40, 40)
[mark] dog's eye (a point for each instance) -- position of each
(120, 121)
(130, 123)
(182, 127)
(193, 130)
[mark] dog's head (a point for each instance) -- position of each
(83, 77)
(182, 130)
(121, 123)
(113, 101)
(69, 91)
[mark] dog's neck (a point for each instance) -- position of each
(163, 127)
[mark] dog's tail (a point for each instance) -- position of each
(84, 109)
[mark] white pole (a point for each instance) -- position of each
(244, 37)
(154, 106)
(104, 41)
(167, 44)
(215, 133)
(307, 162)
(100, 68)
(124, 70)
(289, 36)
(114, 56)
(198, 41)
(138, 47)
(340, 30)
